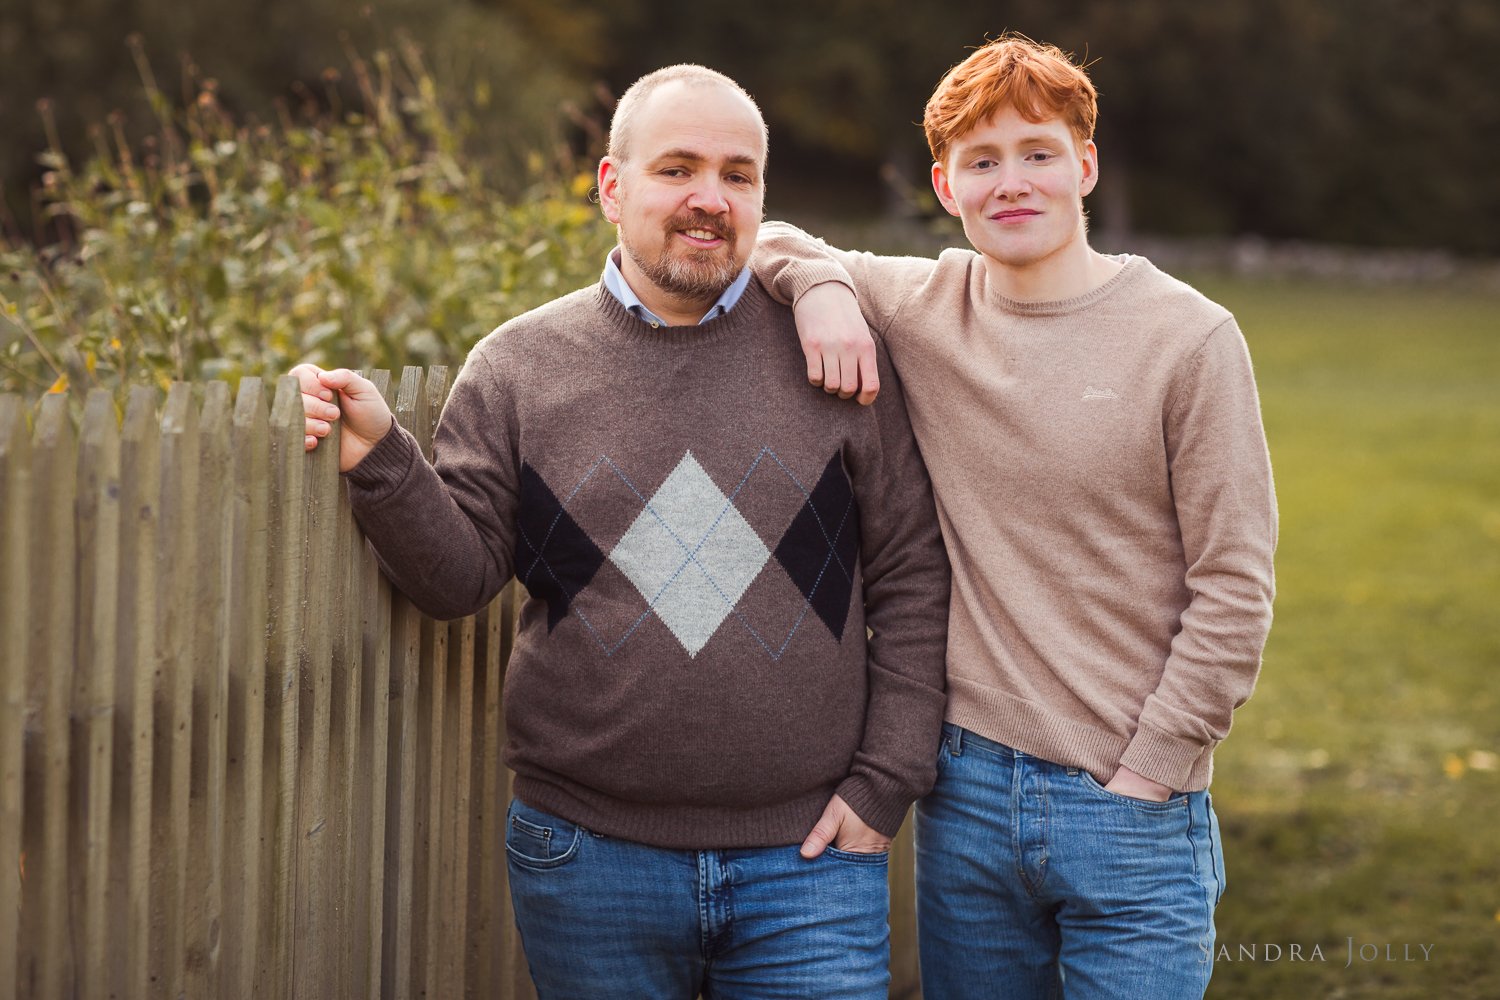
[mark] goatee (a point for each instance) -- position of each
(696, 274)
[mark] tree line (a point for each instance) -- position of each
(1369, 122)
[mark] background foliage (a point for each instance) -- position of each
(218, 248)
(1373, 122)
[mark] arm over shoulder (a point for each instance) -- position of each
(789, 262)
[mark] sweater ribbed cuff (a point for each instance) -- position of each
(1160, 756)
(803, 276)
(381, 473)
(882, 809)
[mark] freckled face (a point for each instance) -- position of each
(1018, 187)
(689, 194)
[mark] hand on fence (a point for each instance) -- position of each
(366, 416)
(841, 827)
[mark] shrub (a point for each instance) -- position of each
(219, 248)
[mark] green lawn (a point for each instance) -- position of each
(1360, 789)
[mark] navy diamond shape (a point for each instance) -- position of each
(555, 558)
(820, 545)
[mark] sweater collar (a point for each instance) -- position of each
(752, 310)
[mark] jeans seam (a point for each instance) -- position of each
(1208, 907)
(1215, 850)
(1017, 804)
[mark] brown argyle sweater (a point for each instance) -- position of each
(705, 539)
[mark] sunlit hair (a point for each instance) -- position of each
(690, 73)
(1038, 81)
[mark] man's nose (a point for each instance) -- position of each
(708, 195)
(1010, 181)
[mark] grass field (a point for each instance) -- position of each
(1359, 792)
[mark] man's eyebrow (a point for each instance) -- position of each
(695, 157)
(1034, 139)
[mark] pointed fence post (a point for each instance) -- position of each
(15, 613)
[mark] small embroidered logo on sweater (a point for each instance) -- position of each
(1106, 393)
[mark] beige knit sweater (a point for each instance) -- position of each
(1105, 495)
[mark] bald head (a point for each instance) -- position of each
(688, 75)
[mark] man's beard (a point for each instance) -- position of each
(697, 274)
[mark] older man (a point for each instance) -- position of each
(705, 540)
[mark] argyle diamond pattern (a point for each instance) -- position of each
(820, 545)
(690, 554)
(555, 558)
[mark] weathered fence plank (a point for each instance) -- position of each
(315, 959)
(459, 751)
(432, 904)
(375, 652)
(49, 687)
(93, 697)
(344, 723)
(140, 506)
(288, 534)
(208, 674)
(483, 766)
(405, 717)
(248, 597)
(512, 973)
(15, 614)
(177, 576)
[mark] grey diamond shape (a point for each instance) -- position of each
(691, 554)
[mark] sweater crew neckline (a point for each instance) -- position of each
(1133, 267)
(628, 328)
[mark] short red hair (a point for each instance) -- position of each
(1038, 81)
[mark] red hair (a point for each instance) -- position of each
(1038, 81)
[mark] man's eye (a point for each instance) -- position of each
(674, 172)
(984, 164)
(739, 179)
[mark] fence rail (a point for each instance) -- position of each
(233, 762)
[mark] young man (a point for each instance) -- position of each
(1093, 433)
(693, 710)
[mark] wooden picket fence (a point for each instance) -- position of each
(233, 763)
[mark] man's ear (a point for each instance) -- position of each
(609, 189)
(943, 189)
(1090, 154)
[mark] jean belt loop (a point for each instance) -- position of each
(956, 742)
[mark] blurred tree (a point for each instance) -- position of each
(74, 55)
(1365, 121)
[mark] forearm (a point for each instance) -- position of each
(1226, 509)
(1211, 671)
(428, 545)
(906, 581)
(790, 262)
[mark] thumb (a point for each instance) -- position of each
(823, 831)
(345, 381)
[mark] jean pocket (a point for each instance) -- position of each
(857, 857)
(945, 755)
(539, 840)
(1176, 802)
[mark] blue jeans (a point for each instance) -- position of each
(603, 918)
(1034, 882)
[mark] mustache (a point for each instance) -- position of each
(702, 220)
